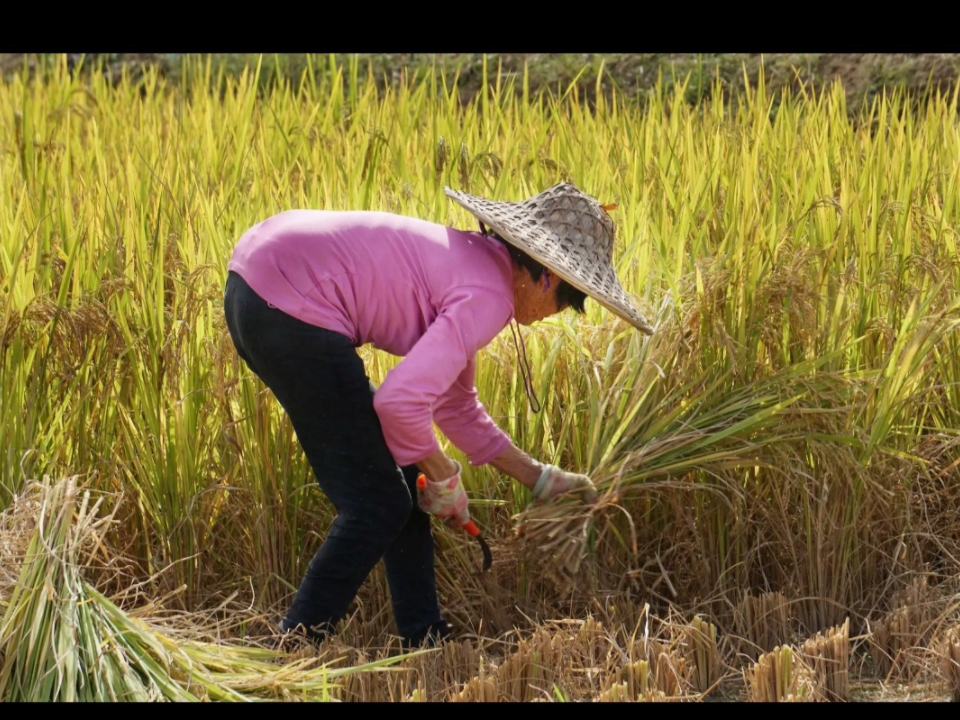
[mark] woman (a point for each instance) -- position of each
(306, 288)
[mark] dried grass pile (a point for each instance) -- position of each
(62, 640)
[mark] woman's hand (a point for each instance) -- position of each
(554, 481)
(544, 481)
(446, 500)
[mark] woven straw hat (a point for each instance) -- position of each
(567, 231)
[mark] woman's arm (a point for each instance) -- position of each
(518, 465)
(407, 399)
(463, 419)
(513, 462)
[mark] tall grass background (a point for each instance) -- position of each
(791, 426)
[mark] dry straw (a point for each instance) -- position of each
(828, 656)
(900, 636)
(763, 623)
(951, 662)
(780, 676)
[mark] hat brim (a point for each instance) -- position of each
(602, 284)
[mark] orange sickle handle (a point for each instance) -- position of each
(470, 527)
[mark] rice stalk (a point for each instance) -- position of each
(780, 676)
(704, 655)
(763, 623)
(901, 634)
(623, 692)
(671, 671)
(531, 669)
(950, 662)
(827, 655)
(478, 689)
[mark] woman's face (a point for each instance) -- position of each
(534, 301)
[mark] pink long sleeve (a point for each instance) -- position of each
(408, 398)
(463, 419)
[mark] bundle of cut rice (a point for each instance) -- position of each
(62, 640)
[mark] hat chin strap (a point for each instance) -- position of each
(524, 367)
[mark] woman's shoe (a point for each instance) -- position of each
(431, 636)
(295, 637)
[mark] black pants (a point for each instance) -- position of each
(319, 379)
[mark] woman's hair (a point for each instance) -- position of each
(567, 294)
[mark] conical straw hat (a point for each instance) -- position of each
(567, 231)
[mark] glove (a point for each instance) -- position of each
(554, 481)
(446, 500)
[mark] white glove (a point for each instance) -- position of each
(554, 481)
(445, 500)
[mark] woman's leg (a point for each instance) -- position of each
(409, 565)
(320, 381)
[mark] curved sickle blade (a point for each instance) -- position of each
(472, 529)
(487, 555)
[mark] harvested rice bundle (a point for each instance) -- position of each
(555, 537)
(701, 431)
(61, 640)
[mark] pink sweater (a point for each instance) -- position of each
(412, 288)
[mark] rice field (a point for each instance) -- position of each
(778, 464)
